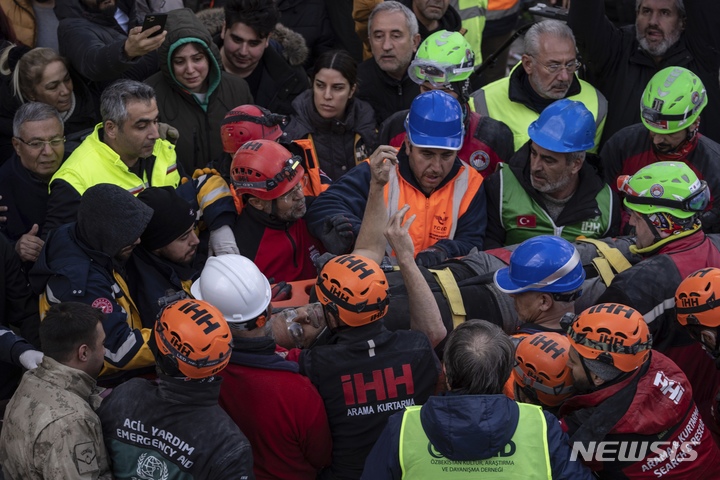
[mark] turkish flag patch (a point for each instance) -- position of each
(526, 221)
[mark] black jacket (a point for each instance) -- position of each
(94, 43)
(198, 123)
(582, 205)
(346, 373)
(620, 69)
(384, 94)
(450, 21)
(334, 140)
(26, 197)
(310, 19)
(177, 423)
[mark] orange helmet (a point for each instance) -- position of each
(265, 169)
(613, 334)
(249, 122)
(193, 338)
(541, 369)
(355, 288)
(697, 297)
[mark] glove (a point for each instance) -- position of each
(222, 241)
(31, 359)
(430, 257)
(337, 234)
(168, 132)
(281, 291)
(199, 172)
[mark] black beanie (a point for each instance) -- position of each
(110, 218)
(172, 217)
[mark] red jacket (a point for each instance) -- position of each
(653, 405)
(279, 411)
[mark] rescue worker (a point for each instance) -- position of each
(278, 409)
(545, 277)
(271, 230)
(163, 264)
(548, 186)
(84, 261)
(695, 303)
(546, 73)
(50, 429)
(445, 61)
(364, 373)
(446, 193)
(172, 439)
(252, 122)
(668, 132)
(619, 380)
(541, 375)
(666, 201)
(474, 423)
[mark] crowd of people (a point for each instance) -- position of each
(283, 239)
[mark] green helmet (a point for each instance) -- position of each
(665, 187)
(672, 101)
(443, 58)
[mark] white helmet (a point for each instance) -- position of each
(234, 285)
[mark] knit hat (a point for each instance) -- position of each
(602, 370)
(172, 216)
(111, 218)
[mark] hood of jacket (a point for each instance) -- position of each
(287, 42)
(469, 427)
(186, 28)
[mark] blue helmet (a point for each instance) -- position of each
(542, 264)
(435, 120)
(564, 126)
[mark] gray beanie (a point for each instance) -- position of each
(111, 218)
(602, 370)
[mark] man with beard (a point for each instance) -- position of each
(83, 262)
(104, 41)
(545, 74)
(635, 399)
(162, 266)
(271, 230)
(670, 112)
(547, 187)
(666, 33)
(394, 38)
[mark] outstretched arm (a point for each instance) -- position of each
(424, 312)
(370, 242)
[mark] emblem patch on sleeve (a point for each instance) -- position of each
(86, 458)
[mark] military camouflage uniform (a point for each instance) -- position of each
(50, 429)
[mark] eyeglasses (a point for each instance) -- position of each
(292, 193)
(554, 68)
(438, 74)
(40, 144)
(696, 202)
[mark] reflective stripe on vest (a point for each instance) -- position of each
(526, 456)
(312, 168)
(431, 227)
(502, 8)
(493, 100)
(94, 162)
(472, 13)
(519, 212)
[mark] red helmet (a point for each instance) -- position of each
(249, 122)
(265, 169)
(541, 367)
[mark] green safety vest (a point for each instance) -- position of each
(94, 162)
(493, 100)
(526, 456)
(517, 205)
(472, 13)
